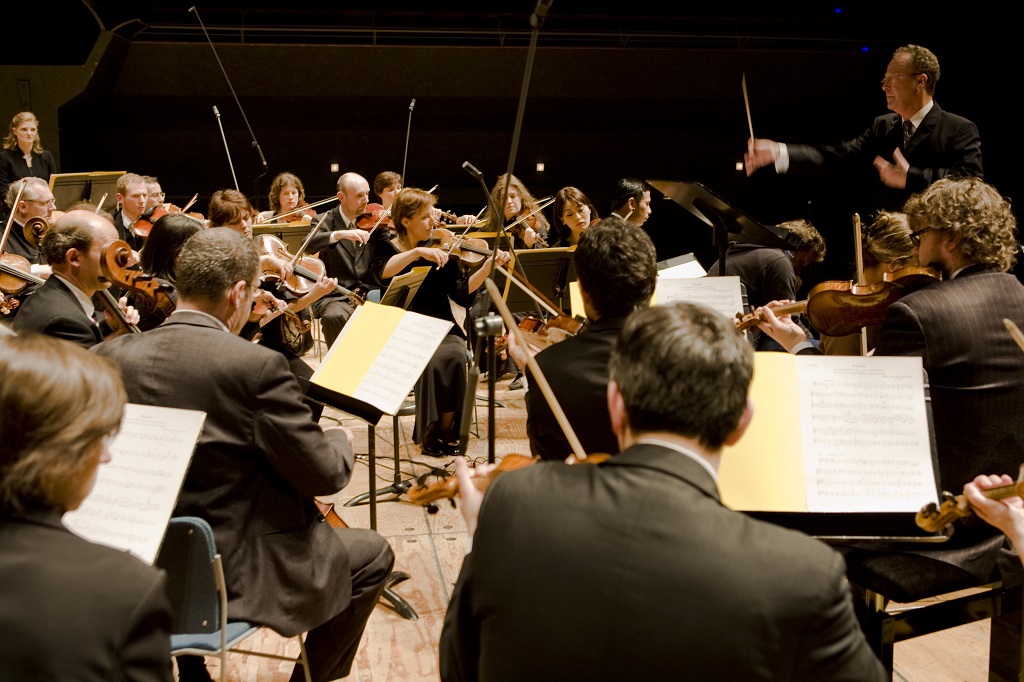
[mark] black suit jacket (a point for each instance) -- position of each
(53, 310)
(74, 610)
(577, 370)
(13, 167)
(124, 233)
(944, 145)
(258, 464)
(346, 260)
(633, 569)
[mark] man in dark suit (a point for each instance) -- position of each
(63, 306)
(36, 202)
(259, 462)
(906, 150)
(617, 269)
(346, 255)
(132, 197)
(633, 569)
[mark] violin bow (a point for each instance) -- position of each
(10, 218)
(538, 374)
(1014, 332)
(307, 240)
(746, 103)
(298, 209)
(103, 199)
(858, 249)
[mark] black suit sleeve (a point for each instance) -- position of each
(901, 333)
(314, 462)
(964, 158)
(146, 654)
(322, 239)
(70, 329)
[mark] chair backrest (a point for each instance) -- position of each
(189, 556)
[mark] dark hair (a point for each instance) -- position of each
(527, 201)
(384, 180)
(812, 239)
(626, 189)
(561, 197)
(72, 231)
(617, 266)
(57, 403)
(214, 260)
(280, 182)
(164, 243)
(683, 368)
(228, 206)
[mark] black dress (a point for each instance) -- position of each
(442, 386)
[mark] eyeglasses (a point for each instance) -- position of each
(40, 201)
(915, 237)
(889, 79)
(158, 195)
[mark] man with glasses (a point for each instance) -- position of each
(975, 370)
(907, 150)
(155, 193)
(36, 201)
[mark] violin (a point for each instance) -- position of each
(544, 333)
(144, 224)
(448, 487)
(328, 514)
(469, 251)
(305, 270)
(16, 274)
(374, 216)
(115, 261)
(933, 518)
(838, 308)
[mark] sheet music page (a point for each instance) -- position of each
(380, 354)
(690, 269)
(136, 491)
(721, 293)
(865, 434)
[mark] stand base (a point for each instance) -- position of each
(396, 602)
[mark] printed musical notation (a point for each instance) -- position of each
(135, 492)
(720, 293)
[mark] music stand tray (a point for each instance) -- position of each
(69, 188)
(548, 270)
(403, 288)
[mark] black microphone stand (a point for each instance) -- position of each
(536, 21)
(255, 144)
(408, 129)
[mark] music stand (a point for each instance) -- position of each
(69, 188)
(403, 288)
(548, 270)
(729, 222)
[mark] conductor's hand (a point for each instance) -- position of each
(760, 153)
(782, 328)
(471, 496)
(1007, 514)
(893, 174)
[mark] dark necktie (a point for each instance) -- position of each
(908, 131)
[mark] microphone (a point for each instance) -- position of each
(260, 152)
(472, 170)
(215, 111)
(412, 104)
(192, 8)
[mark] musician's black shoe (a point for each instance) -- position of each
(517, 383)
(435, 447)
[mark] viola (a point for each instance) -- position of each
(115, 262)
(838, 308)
(329, 515)
(933, 518)
(448, 487)
(16, 274)
(306, 270)
(544, 333)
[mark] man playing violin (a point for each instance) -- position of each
(966, 230)
(154, 193)
(36, 202)
(63, 306)
(132, 197)
(259, 462)
(633, 568)
(617, 269)
(345, 252)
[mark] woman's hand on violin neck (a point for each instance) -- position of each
(465, 219)
(502, 258)
(529, 237)
(360, 236)
(437, 256)
(471, 496)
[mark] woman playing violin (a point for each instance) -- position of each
(286, 195)
(529, 234)
(387, 185)
(444, 293)
(572, 213)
